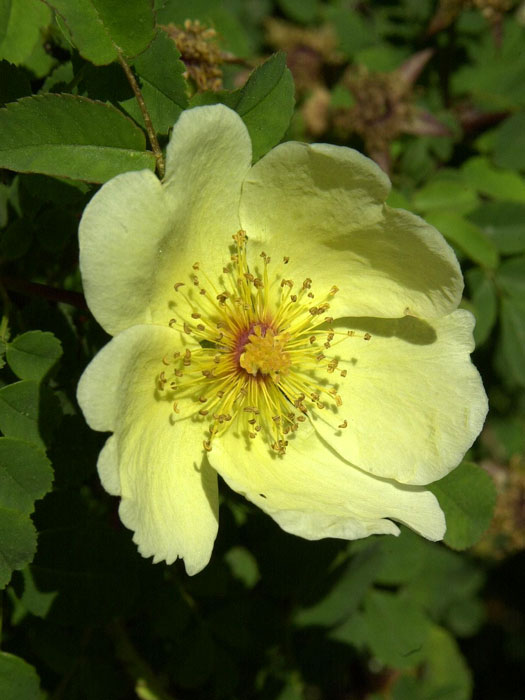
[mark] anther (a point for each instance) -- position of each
(344, 424)
(177, 285)
(172, 322)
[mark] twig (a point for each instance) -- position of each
(43, 291)
(147, 684)
(145, 115)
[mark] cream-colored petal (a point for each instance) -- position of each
(138, 236)
(155, 463)
(413, 400)
(322, 206)
(120, 236)
(311, 492)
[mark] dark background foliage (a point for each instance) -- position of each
(435, 92)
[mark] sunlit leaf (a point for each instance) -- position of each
(100, 28)
(265, 103)
(70, 136)
(20, 23)
(163, 86)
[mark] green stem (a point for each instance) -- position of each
(145, 115)
(147, 685)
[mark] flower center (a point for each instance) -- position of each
(265, 352)
(252, 351)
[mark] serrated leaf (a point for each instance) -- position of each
(467, 496)
(396, 629)
(32, 354)
(504, 224)
(163, 86)
(19, 404)
(17, 543)
(69, 136)
(25, 475)
(100, 28)
(265, 103)
(20, 23)
(465, 235)
(18, 679)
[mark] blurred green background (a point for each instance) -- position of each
(435, 93)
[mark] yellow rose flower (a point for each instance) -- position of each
(278, 325)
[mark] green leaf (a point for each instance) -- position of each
(443, 578)
(17, 543)
(347, 593)
(72, 137)
(513, 338)
(485, 304)
(403, 557)
(31, 355)
(25, 475)
(466, 236)
(299, 10)
(18, 679)
(243, 565)
(162, 84)
(265, 103)
(467, 496)
(500, 184)
(504, 224)
(446, 675)
(450, 195)
(20, 24)
(509, 149)
(19, 408)
(31, 600)
(396, 629)
(511, 277)
(100, 28)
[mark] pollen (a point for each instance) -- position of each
(260, 360)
